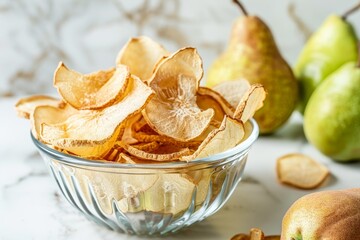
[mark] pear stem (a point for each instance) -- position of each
(237, 2)
(350, 11)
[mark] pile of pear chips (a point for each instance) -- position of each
(149, 108)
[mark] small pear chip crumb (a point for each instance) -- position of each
(255, 234)
(300, 171)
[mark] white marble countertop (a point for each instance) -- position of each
(31, 206)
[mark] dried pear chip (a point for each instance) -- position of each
(161, 154)
(173, 111)
(233, 90)
(256, 234)
(127, 137)
(207, 98)
(147, 146)
(91, 91)
(300, 171)
(252, 100)
(90, 133)
(144, 137)
(49, 115)
(141, 55)
(26, 106)
(227, 136)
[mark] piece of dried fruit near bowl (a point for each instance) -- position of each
(300, 171)
(136, 128)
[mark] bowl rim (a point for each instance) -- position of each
(74, 160)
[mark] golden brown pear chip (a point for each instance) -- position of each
(144, 137)
(163, 155)
(252, 100)
(228, 135)
(300, 171)
(141, 55)
(26, 106)
(91, 91)
(233, 90)
(255, 234)
(207, 98)
(96, 129)
(173, 111)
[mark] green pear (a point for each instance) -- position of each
(332, 115)
(252, 54)
(332, 215)
(332, 45)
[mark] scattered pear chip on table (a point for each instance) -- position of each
(300, 171)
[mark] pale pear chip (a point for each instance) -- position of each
(91, 91)
(141, 55)
(227, 136)
(300, 171)
(252, 100)
(158, 156)
(49, 115)
(26, 106)
(173, 111)
(233, 90)
(215, 101)
(97, 129)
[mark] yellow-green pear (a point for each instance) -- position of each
(252, 54)
(332, 115)
(332, 45)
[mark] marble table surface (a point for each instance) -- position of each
(31, 206)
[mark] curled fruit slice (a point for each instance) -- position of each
(233, 91)
(252, 100)
(49, 115)
(90, 133)
(161, 153)
(207, 98)
(91, 91)
(228, 135)
(141, 55)
(300, 171)
(26, 106)
(173, 111)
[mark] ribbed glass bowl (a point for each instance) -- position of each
(149, 199)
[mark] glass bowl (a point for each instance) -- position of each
(149, 199)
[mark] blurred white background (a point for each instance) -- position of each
(35, 35)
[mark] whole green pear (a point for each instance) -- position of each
(252, 54)
(332, 45)
(332, 115)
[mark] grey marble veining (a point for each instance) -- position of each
(35, 35)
